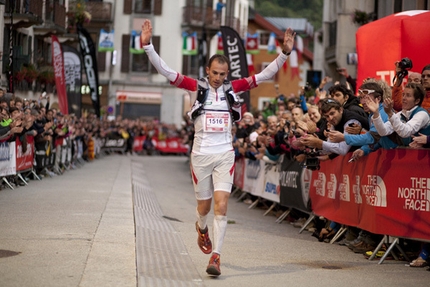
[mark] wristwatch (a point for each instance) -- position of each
(285, 52)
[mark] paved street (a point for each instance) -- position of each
(129, 221)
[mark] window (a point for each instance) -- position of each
(190, 65)
(136, 62)
(264, 38)
(143, 6)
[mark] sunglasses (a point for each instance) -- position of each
(365, 92)
(425, 76)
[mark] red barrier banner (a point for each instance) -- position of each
(138, 143)
(387, 192)
(24, 160)
(172, 145)
(239, 173)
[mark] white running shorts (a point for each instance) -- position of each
(212, 172)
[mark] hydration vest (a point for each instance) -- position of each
(233, 102)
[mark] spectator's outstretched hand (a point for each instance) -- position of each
(388, 106)
(288, 43)
(373, 105)
(145, 36)
(336, 136)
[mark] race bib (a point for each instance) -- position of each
(216, 122)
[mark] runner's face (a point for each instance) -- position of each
(217, 73)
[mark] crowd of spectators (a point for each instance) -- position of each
(336, 119)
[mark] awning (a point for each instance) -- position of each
(138, 97)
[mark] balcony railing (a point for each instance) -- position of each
(100, 11)
(34, 8)
(198, 16)
(55, 14)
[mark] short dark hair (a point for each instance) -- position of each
(328, 103)
(220, 59)
(340, 88)
(426, 67)
(419, 92)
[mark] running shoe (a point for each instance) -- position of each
(203, 240)
(213, 267)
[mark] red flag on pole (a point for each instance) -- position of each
(60, 78)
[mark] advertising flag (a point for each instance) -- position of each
(60, 78)
(73, 72)
(235, 51)
(88, 51)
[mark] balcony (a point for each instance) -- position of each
(197, 17)
(54, 20)
(100, 11)
(23, 16)
(194, 18)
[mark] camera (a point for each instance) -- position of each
(312, 162)
(405, 64)
(308, 87)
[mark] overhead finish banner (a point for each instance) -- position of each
(88, 51)
(60, 78)
(236, 53)
(397, 38)
(73, 72)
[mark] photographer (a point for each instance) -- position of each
(423, 78)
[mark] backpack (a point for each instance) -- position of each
(234, 106)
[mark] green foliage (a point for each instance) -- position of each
(309, 9)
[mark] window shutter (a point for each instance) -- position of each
(156, 42)
(128, 6)
(125, 57)
(185, 66)
(158, 5)
(101, 61)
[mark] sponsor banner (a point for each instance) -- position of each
(7, 158)
(138, 143)
(60, 78)
(294, 182)
(271, 183)
(88, 51)
(239, 173)
(172, 145)
(235, 51)
(388, 192)
(396, 40)
(73, 72)
(24, 159)
(253, 181)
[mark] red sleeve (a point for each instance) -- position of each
(397, 95)
(185, 83)
(244, 84)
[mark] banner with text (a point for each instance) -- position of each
(388, 192)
